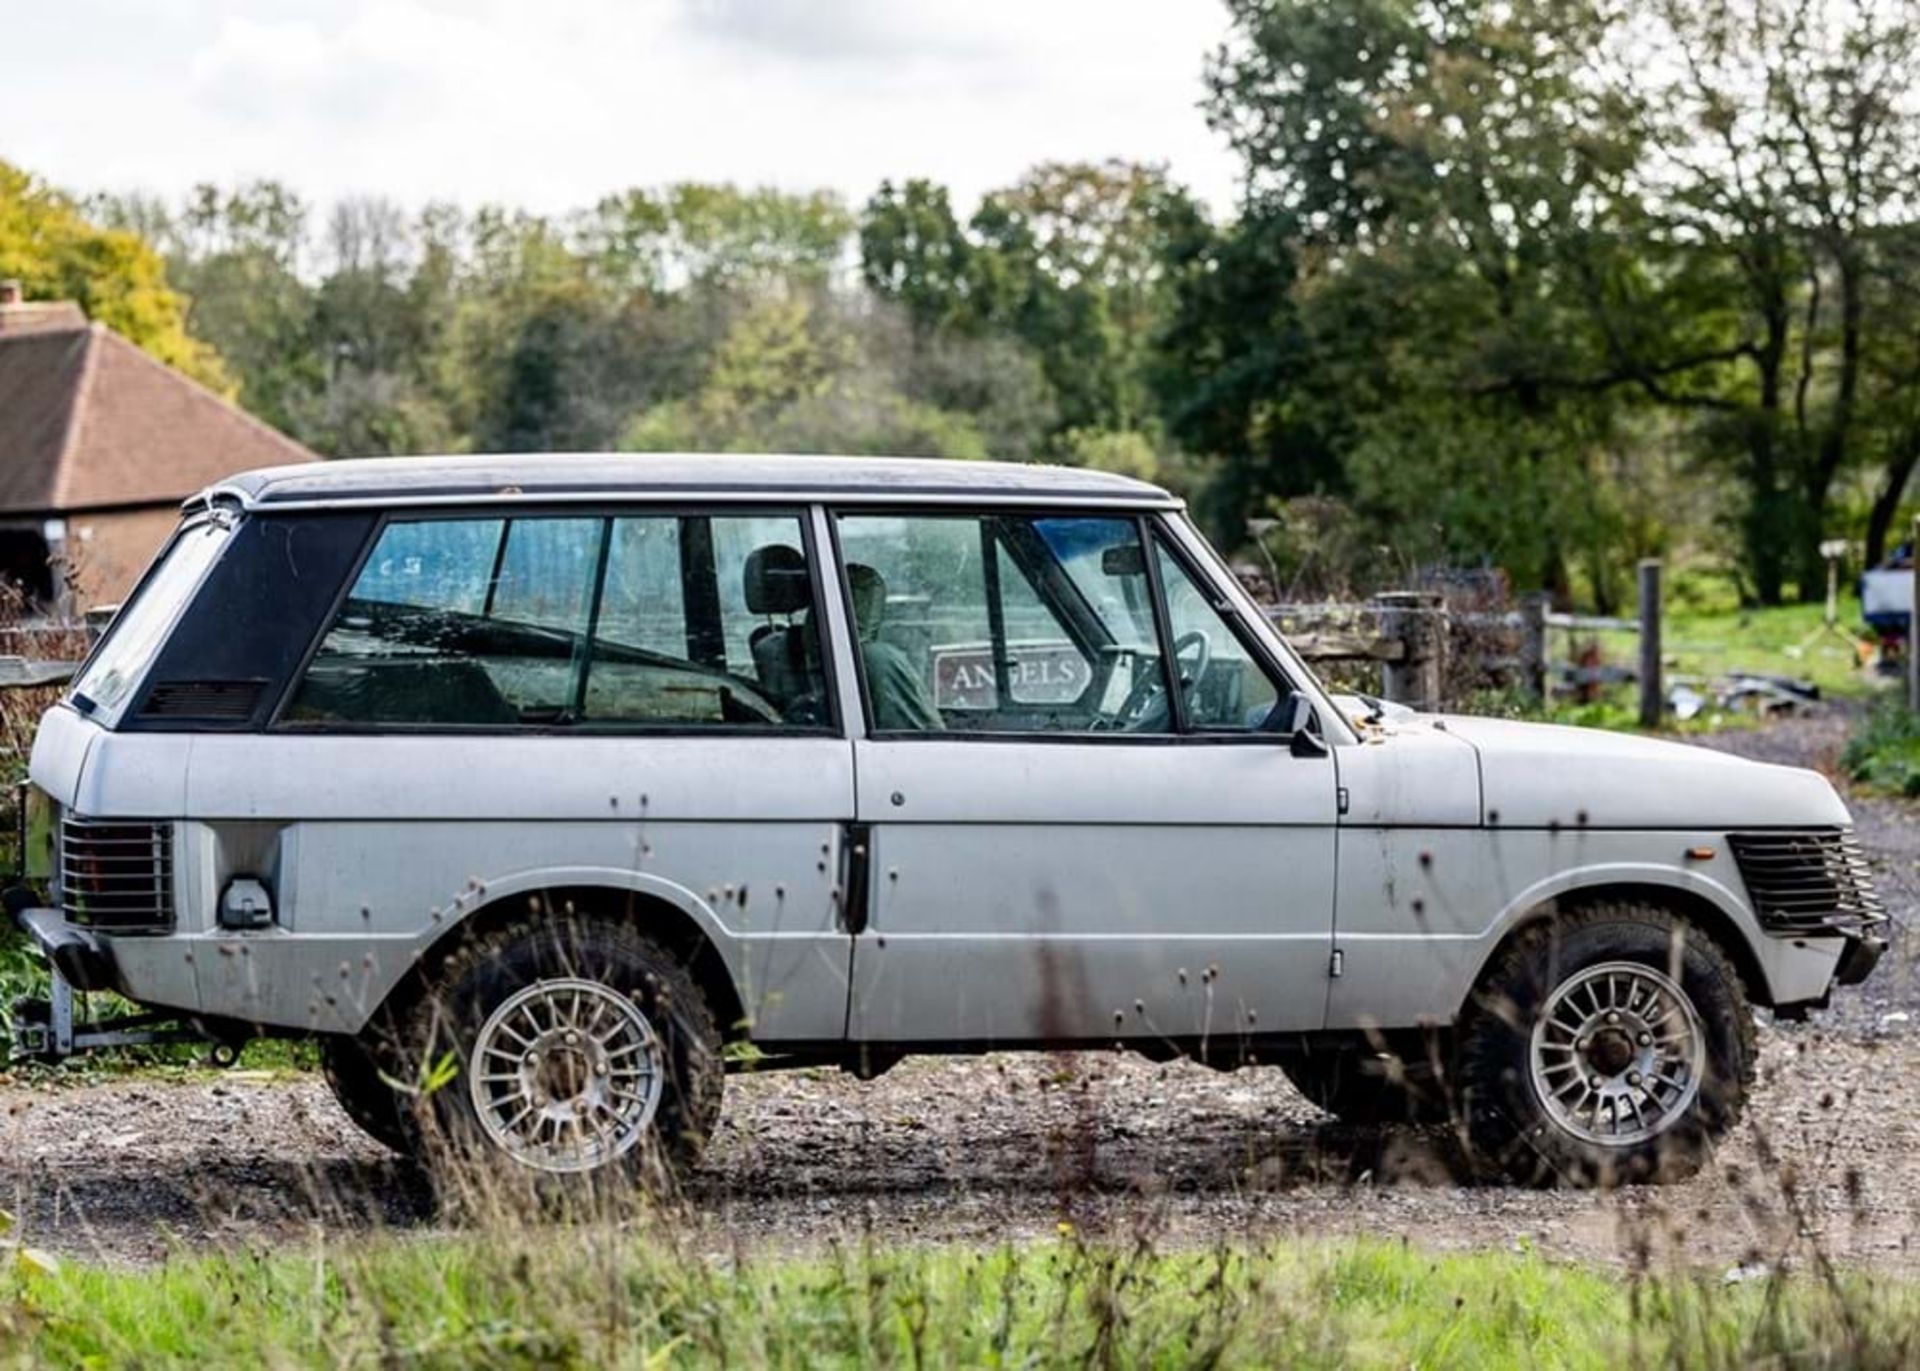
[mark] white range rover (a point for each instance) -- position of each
(573, 771)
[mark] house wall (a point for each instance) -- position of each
(107, 552)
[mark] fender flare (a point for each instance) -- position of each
(484, 895)
(1532, 905)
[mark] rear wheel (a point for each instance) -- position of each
(572, 1050)
(1614, 1044)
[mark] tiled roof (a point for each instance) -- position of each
(89, 420)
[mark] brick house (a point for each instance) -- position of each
(99, 444)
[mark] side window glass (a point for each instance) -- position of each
(1003, 624)
(1225, 689)
(708, 621)
(642, 606)
(458, 621)
(1044, 665)
(546, 573)
(698, 622)
(433, 564)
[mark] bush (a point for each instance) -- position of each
(1884, 751)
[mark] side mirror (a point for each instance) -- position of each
(1302, 727)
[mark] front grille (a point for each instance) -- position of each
(117, 875)
(1808, 882)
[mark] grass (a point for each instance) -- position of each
(1787, 640)
(1710, 644)
(632, 1296)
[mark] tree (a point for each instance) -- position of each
(114, 275)
(1429, 189)
(914, 252)
(1784, 139)
(1071, 261)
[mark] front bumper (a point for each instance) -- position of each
(1862, 954)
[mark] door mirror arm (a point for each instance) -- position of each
(1295, 718)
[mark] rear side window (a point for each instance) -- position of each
(650, 620)
(117, 667)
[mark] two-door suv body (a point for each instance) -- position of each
(574, 771)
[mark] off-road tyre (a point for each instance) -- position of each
(1386, 1081)
(442, 1022)
(353, 1073)
(1507, 1127)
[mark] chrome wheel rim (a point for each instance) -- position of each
(1617, 1054)
(566, 1075)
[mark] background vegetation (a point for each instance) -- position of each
(1544, 287)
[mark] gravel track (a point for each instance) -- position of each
(1010, 1146)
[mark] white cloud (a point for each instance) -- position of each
(553, 104)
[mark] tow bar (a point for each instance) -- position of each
(45, 1030)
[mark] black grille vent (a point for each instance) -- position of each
(117, 876)
(1808, 882)
(202, 700)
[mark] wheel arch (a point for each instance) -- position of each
(1725, 924)
(682, 922)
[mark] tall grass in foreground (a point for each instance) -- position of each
(640, 1295)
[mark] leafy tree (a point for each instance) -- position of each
(1430, 188)
(1784, 138)
(914, 252)
(48, 244)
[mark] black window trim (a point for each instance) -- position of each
(833, 727)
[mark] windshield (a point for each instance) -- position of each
(138, 630)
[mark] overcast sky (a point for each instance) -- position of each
(551, 103)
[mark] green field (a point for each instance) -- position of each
(1704, 645)
(627, 1296)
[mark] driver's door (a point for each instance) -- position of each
(1079, 853)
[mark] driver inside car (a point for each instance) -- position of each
(899, 692)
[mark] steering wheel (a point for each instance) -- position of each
(1143, 697)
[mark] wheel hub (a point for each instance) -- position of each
(1610, 1051)
(1617, 1054)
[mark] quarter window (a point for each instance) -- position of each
(676, 620)
(1224, 689)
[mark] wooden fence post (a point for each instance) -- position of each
(1913, 622)
(1535, 654)
(1652, 698)
(1418, 619)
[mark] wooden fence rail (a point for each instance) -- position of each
(1409, 635)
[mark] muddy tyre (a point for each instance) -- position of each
(567, 1051)
(354, 1075)
(1390, 1082)
(1609, 1045)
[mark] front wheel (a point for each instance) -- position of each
(352, 1070)
(1608, 1045)
(580, 1048)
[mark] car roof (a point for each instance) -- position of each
(533, 477)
